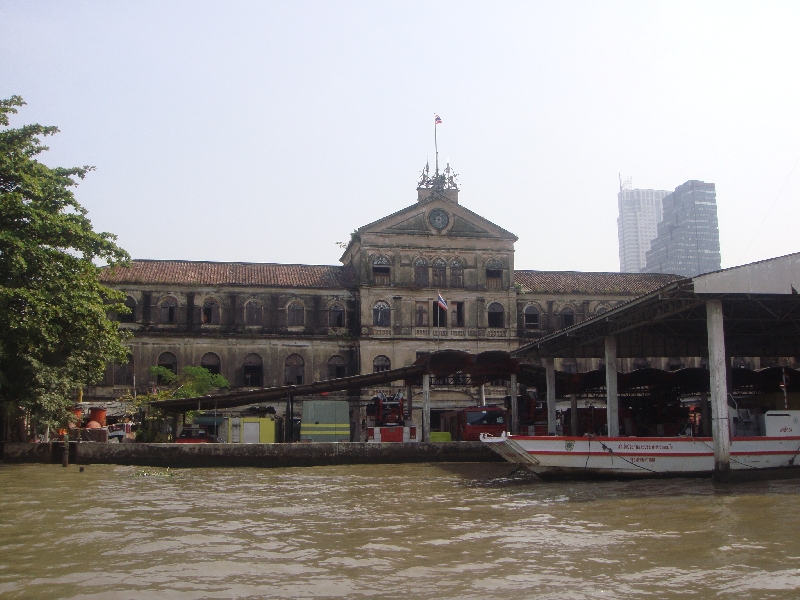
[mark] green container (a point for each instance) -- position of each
(325, 421)
(441, 436)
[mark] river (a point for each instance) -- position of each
(389, 531)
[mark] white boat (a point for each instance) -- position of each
(684, 456)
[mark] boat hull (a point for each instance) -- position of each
(635, 457)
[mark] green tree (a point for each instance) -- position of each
(54, 332)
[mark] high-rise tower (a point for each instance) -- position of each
(639, 214)
(688, 236)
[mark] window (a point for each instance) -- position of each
(495, 315)
(169, 310)
(336, 316)
(211, 362)
(381, 314)
(567, 317)
(123, 374)
(337, 367)
(569, 365)
(295, 369)
(439, 316)
(439, 273)
(600, 310)
(253, 370)
(253, 313)
(458, 313)
(421, 314)
(210, 312)
(131, 316)
(381, 270)
(531, 317)
(296, 314)
(456, 274)
(494, 275)
(381, 363)
(168, 361)
(421, 272)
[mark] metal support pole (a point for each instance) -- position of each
(719, 387)
(426, 408)
(483, 394)
(573, 414)
(612, 396)
(410, 400)
(514, 405)
(550, 376)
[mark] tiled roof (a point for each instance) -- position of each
(225, 273)
(564, 282)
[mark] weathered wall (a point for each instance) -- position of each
(252, 455)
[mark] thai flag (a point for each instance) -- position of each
(441, 301)
(437, 119)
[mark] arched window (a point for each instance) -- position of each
(211, 312)
(381, 363)
(569, 365)
(295, 369)
(337, 367)
(336, 316)
(381, 314)
(130, 317)
(600, 310)
(253, 371)
(211, 362)
(421, 272)
(169, 361)
(494, 275)
(253, 313)
(381, 270)
(567, 317)
(439, 273)
(456, 274)
(495, 315)
(123, 374)
(296, 314)
(531, 317)
(169, 311)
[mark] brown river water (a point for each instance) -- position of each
(389, 531)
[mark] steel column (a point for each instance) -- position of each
(426, 408)
(612, 395)
(550, 373)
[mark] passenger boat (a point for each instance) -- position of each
(625, 457)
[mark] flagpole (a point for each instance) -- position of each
(436, 145)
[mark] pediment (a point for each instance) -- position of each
(414, 220)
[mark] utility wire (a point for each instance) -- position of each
(741, 258)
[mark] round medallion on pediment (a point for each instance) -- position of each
(438, 218)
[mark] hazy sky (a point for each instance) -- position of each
(268, 131)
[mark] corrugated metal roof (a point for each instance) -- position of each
(566, 282)
(225, 273)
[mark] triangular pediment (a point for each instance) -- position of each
(416, 220)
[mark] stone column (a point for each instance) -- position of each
(612, 396)
(550, 374)
(426, 408)
(719, 388)
(514, 405)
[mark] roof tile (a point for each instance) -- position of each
(565, 282)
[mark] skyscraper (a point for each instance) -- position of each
(688, 236)
(639, 214)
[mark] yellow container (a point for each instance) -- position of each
(441, 436)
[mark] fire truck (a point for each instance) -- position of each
(387, 420)
(467, 424)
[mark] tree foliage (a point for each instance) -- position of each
(191, 382)
(54, 332)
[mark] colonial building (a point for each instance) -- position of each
(262, 325)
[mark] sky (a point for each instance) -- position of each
(268, 131)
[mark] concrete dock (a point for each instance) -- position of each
(247, 455)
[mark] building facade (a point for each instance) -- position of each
(639, 215)
(263, 325)
(687, 243)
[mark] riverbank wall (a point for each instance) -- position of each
(248, 455)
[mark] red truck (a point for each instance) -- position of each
(467, 424)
